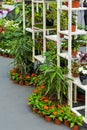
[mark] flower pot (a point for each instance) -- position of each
(73, 28)
(49, 23)
(61, 35)
(74, 53)
(35, 110)
(21, 83)
(31, 106)
(57, 121)
(41, 115)
(48, 119)
(75, 127)
(83, 79)
(66, 123)
(15, 81)
(75, 74)
(75, 4)
(27, 83)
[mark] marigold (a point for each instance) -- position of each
(45, 100)
(35, 91)
(20, 76)
(42, 86)
(52, 106)
(61, 111)
(46, 107)
(59, 106)
(28, 77)
(55, 113)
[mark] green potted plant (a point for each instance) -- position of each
(75, 66)
(76, 121)
(51, 15)
(73, 22)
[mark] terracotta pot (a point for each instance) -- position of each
(62, 35)
(75, 4)
(48, 119)
(27, 83)
(66, 123)
(73, 28)
(57, 121)
(15, 81)
(74, 53)
(75, 74)
(31, 106)
(41, 115)
(75, 127)
(35, 110)
(21, 83)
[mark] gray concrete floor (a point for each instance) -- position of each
(14, 111)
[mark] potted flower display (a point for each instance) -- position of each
(83, 74)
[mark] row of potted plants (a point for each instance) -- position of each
(52, 111)
(17, 77)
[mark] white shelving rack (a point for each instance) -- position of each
(34, 29)
(67, 55)
(76, 82)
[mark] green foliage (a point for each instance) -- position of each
(54, 80)
(22, 50)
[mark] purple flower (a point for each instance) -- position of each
(1, 12)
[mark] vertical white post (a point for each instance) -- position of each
(33, 33)
(23, 4)
(44, 27)
(69, 50)
(75, 93)
(86, 105)
(58, 37)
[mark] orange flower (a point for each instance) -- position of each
(35, 91)
(45, 100)
(38, 87)
(21, 77)
(28, 77)
(61, 111)
(55, 113)
(33, 75)
(59, 106)
(45, 107)
(42, 86)
(52, 106)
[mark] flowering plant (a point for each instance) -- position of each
(83, 70)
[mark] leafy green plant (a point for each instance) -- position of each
(76, 120)
(54, 80)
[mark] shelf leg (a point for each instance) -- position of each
(75, 94)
